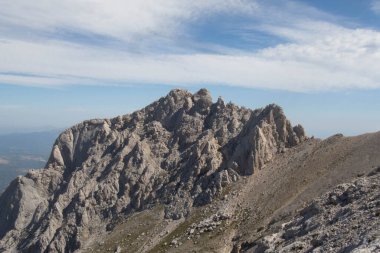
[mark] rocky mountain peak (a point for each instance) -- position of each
(203, 95)
(179, 152)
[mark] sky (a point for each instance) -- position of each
(64, 61)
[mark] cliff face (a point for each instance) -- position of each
(180, 151)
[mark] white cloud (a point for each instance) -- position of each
(375, 6)
(121, 19)
(319, 54)
(348, 59)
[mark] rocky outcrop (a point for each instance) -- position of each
(180, 151)
(345, 219)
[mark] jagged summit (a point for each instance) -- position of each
(179, 152)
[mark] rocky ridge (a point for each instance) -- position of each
(345, 219)
(180, 151)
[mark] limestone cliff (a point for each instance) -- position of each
(180, 151)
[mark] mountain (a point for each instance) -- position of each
(182, 174)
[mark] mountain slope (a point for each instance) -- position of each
(254, 206)
(345, 219)
(181, 152)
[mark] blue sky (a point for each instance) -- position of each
(67, 61)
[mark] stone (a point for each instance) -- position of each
(174, 242)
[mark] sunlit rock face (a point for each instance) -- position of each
(179, 151)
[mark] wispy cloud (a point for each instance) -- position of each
(375, 6)
(150, 42)
(122, 20)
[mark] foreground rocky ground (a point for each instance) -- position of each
(346, 219)
(184, 174)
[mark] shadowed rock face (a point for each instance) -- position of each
(180, 151)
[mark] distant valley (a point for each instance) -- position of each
(20, 152)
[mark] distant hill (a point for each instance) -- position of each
(22, 151)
